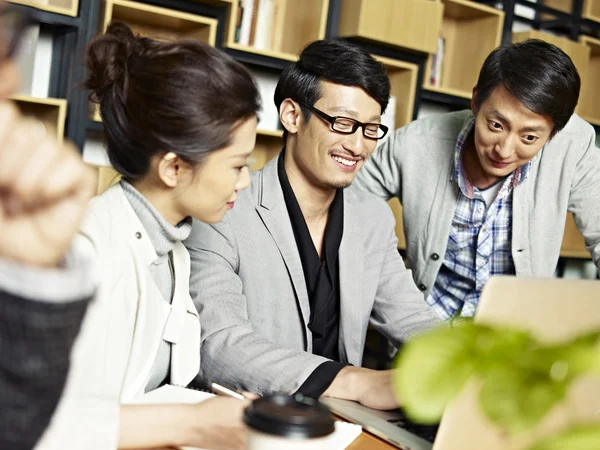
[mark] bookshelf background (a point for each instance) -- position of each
(393, 30)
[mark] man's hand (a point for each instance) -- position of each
(44, 189)
(372, 388)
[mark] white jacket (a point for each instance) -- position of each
(113, 357)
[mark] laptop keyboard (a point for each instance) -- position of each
(426, 432)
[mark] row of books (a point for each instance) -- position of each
(260, 23)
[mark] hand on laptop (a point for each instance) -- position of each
(371, 388)
(44, 187)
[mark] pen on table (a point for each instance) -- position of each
(218, 389)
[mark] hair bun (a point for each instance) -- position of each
(107, 59)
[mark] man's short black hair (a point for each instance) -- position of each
(538, 74)
(339, 62)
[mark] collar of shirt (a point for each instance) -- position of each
(460, 176)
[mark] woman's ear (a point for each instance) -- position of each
(169, 168)
(290, 115)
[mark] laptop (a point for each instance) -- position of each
(554, 310)
(391, 426)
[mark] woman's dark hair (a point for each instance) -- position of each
(538, 74)
(337, 61)
(183, 97)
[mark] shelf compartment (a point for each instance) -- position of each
(470, 31)
(589, 107)
(393, 22)
(573, 244)
(268, 145)
(52, 112)
(160, 23)
(591, 8)
(64, 7)
(403, 80)
(297, 24)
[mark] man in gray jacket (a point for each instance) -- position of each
(287, 283)
(487, 192)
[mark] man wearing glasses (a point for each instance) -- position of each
(44, 289)
(287, 284)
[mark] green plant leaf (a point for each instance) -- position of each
(583, 355)
(581, 437)
(500, 347)
(432, 368)
(517, 400)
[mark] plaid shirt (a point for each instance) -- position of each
(479, 244)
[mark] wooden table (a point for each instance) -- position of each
(367, 441)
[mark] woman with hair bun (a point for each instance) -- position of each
(180, 122)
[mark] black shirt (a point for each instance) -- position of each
(321, 274)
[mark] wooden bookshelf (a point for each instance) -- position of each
(268, 145)
(157, 23)
(397, 211)
(393, 22)
(591, 8)
(470, 31)
(573, 244)
(589, 100)
(52, 112)
(578, 52)
(296, 24)
(403, 80)
(160, 23)
(107, 176)
(64, 7)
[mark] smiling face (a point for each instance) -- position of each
(506, 136)
(328, 159)
(213, 186)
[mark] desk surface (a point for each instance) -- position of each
(367, 441)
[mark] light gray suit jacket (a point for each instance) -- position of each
(248, 285)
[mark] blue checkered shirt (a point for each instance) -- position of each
(479, 244)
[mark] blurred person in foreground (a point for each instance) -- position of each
(45, 283)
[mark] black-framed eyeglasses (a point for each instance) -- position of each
(347, 125)
(13, 23)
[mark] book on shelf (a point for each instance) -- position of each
(26, 57)
(264, 25)
(437, 64)
(260, 23)
(269, 116)
(246, 8)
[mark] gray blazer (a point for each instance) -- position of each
(248, 285)
(415, 164)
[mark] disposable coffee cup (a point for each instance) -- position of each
(288, 422)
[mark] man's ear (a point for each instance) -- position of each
(290, 115)
(474, 101)
(169, 168)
